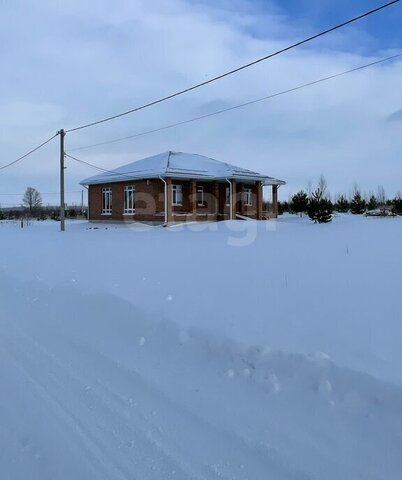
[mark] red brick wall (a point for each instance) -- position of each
(149, 201)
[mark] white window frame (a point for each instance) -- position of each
(227, 197)
(200, 191)
(107, 201)
(248, 197)
(129, 199)
(177, 195)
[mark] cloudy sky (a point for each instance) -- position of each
(67, 63)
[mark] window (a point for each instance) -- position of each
(200, 196)
(129, 200)
(248, 197)
(106, 201)
(227, 197)
(177, 195)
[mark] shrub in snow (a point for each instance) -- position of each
(358, 204)
(299, 202)
(55, 216)
(319, 207)
(342, 205)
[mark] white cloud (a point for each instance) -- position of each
(68, 64)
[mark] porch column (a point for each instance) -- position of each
(216, 199)
(275, 200)
(234, 199)
(241, 198)
(194, 198)
(168, 206)
(259, 200)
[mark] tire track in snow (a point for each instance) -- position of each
(120, 377)
(64, 415)
(110, 398)
(103, 409)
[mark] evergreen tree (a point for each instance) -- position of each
(397, 205)
(283, 207)
(299, 202)
(342, 205)
(372, 203)
(320, 208)
(358, 204)
(2, 215)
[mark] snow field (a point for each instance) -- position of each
(115, 363)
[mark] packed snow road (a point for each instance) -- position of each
(94, 386)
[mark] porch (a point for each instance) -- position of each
(194, 200)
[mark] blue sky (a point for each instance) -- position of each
(66, 64)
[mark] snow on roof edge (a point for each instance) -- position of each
(179, 165)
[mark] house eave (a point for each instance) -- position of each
(184, 176)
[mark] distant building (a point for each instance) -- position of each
(178, 187)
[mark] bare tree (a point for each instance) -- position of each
(32, 199)
(356, 189)
(309, 187)
(381, 197)
(322, 184)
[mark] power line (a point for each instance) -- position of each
(27, 154)
(241, 105)
(90, 164)
(111, 172)
(42, 193)
(238, 69)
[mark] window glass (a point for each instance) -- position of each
(177, 195)
(227, 197)
(106, 201)
(200, 196)
(248, 196)
(129, 199)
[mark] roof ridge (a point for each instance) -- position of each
(168, 160)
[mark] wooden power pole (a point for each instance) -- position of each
(62, 134)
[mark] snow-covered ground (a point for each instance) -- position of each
(238, 350)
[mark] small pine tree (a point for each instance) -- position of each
(2, 215)
(358, 204)
(397, 205)
(342, 205)
(283, 207)
(299, 202)
(320, 208)
(372, 203)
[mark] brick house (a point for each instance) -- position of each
(177, 187)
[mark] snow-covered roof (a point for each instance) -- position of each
(179, 165)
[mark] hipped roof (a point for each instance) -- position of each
(179, 165)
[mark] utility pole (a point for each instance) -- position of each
(62, 134)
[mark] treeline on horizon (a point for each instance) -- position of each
(32, 207)
(318, 205)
